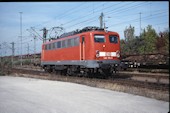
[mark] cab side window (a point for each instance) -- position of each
(69, 43)
(113, 39)
(59, 44)
(72, 42)
(63, 43)
(76, 41)
(53, 45)
(49, 46)
(45, 47)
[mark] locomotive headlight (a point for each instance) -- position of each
(97, 53)
(117, 53)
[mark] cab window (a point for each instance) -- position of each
(113, 39)
(99, 38)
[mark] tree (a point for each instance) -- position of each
(123, 47)
(148, 42)
(141, 45)
(149, 37)
(129, 33)
(166, 36)
(160, 43)
(129, 39)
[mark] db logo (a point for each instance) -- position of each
(108, 53)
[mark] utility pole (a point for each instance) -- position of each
(44, 34)
(0, 52)
(21, 35)
(13, 51)
(104, 26)
(101, 20)
(34, 36)
(34, 47)
(140, 23)
(28, 48)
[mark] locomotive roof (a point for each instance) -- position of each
(72, 33)
(81, 31)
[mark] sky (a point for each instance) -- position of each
(74, 15)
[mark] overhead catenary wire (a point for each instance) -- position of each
(137, 19)
(83, 8)
(132, 14)
(78, 18)
(67, 14)
(91, 19)
(85, 16)
(115, 13)
(125, 9)
(152, 25)
(92, 13)
(73, 19)
(60, 15)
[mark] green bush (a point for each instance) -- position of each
(17, 62)
(27, 62)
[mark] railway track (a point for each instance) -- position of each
(123, 79)
(120, 73)
(141, 84)
(146, 77)
(144, 74)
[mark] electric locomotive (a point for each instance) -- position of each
(90, 50)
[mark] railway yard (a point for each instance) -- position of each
(83, 71)
(58, 63)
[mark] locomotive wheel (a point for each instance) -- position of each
(49, 69)
(63, 72)
(53, 70)
(90, 73)
(69, 71)
(106, 73)
(45, 69)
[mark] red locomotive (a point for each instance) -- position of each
(89, 50)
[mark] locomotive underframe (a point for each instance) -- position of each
(84, 67)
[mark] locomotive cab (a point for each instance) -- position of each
(100, 50)
(106, 50)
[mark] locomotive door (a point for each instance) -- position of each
(82, 48)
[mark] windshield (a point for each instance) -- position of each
(113, 39)
(99, 38)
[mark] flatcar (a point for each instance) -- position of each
(90, 50)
